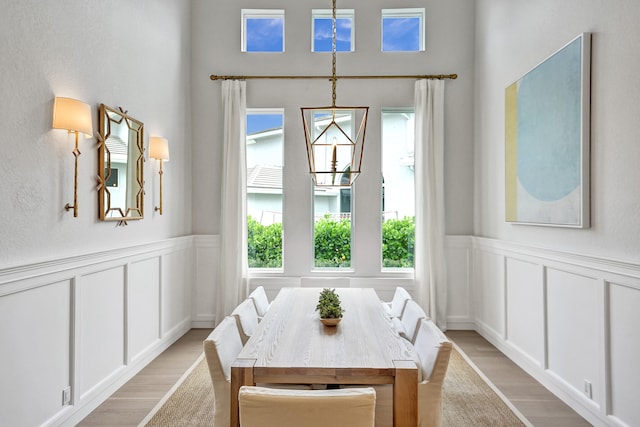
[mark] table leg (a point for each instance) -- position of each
(241, 374)
(405, 394)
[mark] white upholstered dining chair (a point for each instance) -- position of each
(260, 300)
(407, 326)
(221, 348)
(395, 307)
(434, 350)
(247, 319)
(267, 407)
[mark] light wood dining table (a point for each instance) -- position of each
(292, 346)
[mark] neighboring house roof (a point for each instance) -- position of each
(118, 149)
(264, 176)
(116, 145)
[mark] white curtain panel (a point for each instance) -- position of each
(430, 263)
(232, 283)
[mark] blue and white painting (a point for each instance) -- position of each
(547, 141)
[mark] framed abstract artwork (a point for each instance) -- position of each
(547, 133)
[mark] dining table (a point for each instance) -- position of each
(292, 346)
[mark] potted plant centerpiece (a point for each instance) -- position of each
(329, 307)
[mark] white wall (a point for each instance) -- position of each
(511, 38)
(130, 54)
(86, 304)
(562, 302)
(216, 50)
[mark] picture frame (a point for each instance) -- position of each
(547, 140)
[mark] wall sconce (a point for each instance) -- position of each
(159, 150)
(75, 117)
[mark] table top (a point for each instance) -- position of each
(292, 336)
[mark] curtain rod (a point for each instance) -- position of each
(423, 76)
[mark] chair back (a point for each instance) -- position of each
(246, 318)
(260, 300)
(267, 407)
(410, 320)
(399, 301)
(221, 348)
(434, 351)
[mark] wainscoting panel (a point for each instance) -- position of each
(87, 324)
(143, 307)
(624, 314)
(458, 280)
(525, 308)
(489, 298)
(176, 286)
(36, 353)
(101, 322)
(574, 341)
(571, 322)
(207, 258)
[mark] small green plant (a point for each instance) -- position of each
(329, 304)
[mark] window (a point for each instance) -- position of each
(322, 30)
(262, 30)
(264, 187)
(332, 205)
(398, 195)
(403, 30)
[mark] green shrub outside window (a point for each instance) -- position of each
(332, 243)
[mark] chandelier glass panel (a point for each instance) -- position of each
(334, 135)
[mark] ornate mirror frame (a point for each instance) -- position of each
(120, 166)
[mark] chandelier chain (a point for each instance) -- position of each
(333, 54)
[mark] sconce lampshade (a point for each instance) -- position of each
(159, 148)
(72, 115)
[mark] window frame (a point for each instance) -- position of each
(328, 14)
(246, 14)
(415, 12)
(271, 111)
(383, 111)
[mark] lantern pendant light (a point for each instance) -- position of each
(334, 135)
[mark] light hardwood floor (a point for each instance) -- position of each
(133, 401)
(540, 406)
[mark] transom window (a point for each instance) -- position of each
(403, 30)
(262, 30)
(322, 30)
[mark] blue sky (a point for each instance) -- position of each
(265, 34)
(323, 30)
(262, 122)
(399, 34)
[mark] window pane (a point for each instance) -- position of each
(402, 30)
(263, 31)
(398, 196)
(323, 34)
(322, 30)
(332, 227)
(264, 187)
(332, 205)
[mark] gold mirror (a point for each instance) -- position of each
(120, 161)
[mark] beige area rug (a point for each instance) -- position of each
(469, 399)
